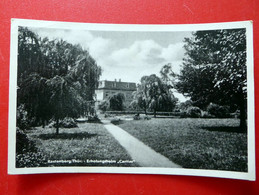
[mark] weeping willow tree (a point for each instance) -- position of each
(56, 79)
(154, 94)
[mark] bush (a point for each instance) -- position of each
(65, 123)
(185, 105)
(22, 118)
(207, 115)
(68, 123)
(116, 121)
(27, 154)
(23, 143)
(218, 111)
(93, 119)
(31, 159)
(103, 106)
(183, 114)
(136, 117)
(193, 112)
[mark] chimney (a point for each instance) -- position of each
(119, 80)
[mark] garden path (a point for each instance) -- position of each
(141, 153)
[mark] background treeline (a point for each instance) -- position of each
(55, 80)
(213, 75)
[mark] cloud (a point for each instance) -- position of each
(97, 46)
(100, 47)
(128, 60)
(174, 52)
(137, 54)
(71, 36)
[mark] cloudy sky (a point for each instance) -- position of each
(126, 55)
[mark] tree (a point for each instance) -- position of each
(168, 76)
(116, 102)
(140, 96)
(64, 101)
(155, 95)
(214, 69)
(55, 78)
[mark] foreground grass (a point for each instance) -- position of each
(88, 145)
(195, 143)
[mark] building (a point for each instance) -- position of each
(108, 88)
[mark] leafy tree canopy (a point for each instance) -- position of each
(214, 69)
(153, 94)
(56, 79)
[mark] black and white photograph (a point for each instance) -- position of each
(115, 98)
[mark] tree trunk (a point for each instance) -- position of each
(242, 107)
(43, 123)
(242, 125)
(57, 126)
(154, 113)
(145, 110)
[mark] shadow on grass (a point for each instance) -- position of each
(79, 136)
(224, 129)
(117, 122)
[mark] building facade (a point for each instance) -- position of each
(107, 89)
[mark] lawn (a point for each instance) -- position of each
(194, 143)
(88, 145)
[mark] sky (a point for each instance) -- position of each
(126, 55)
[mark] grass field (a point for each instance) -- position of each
(194, 143)
(88, 145)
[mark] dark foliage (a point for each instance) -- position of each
(67, 123)
(27, 154)
(214, 69)
(223, 129)
(67, 136)
(55, 79)
(116, 102)
(218, 111)
(193, 112)
(23, 143)
(93, 119)
(154, 94)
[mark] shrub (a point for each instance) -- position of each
(207, 115)
(103, 106)
(116, 121)
(68, 123)
(218, 111)
(193, 112)
(93, 119)
(185, 105)
(147, 117)
(27, 154)
(65, 123)
(31, 159)
(136, 117)
(183, 114)
(23, 143)
(22, 118)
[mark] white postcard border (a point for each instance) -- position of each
(250, 175)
